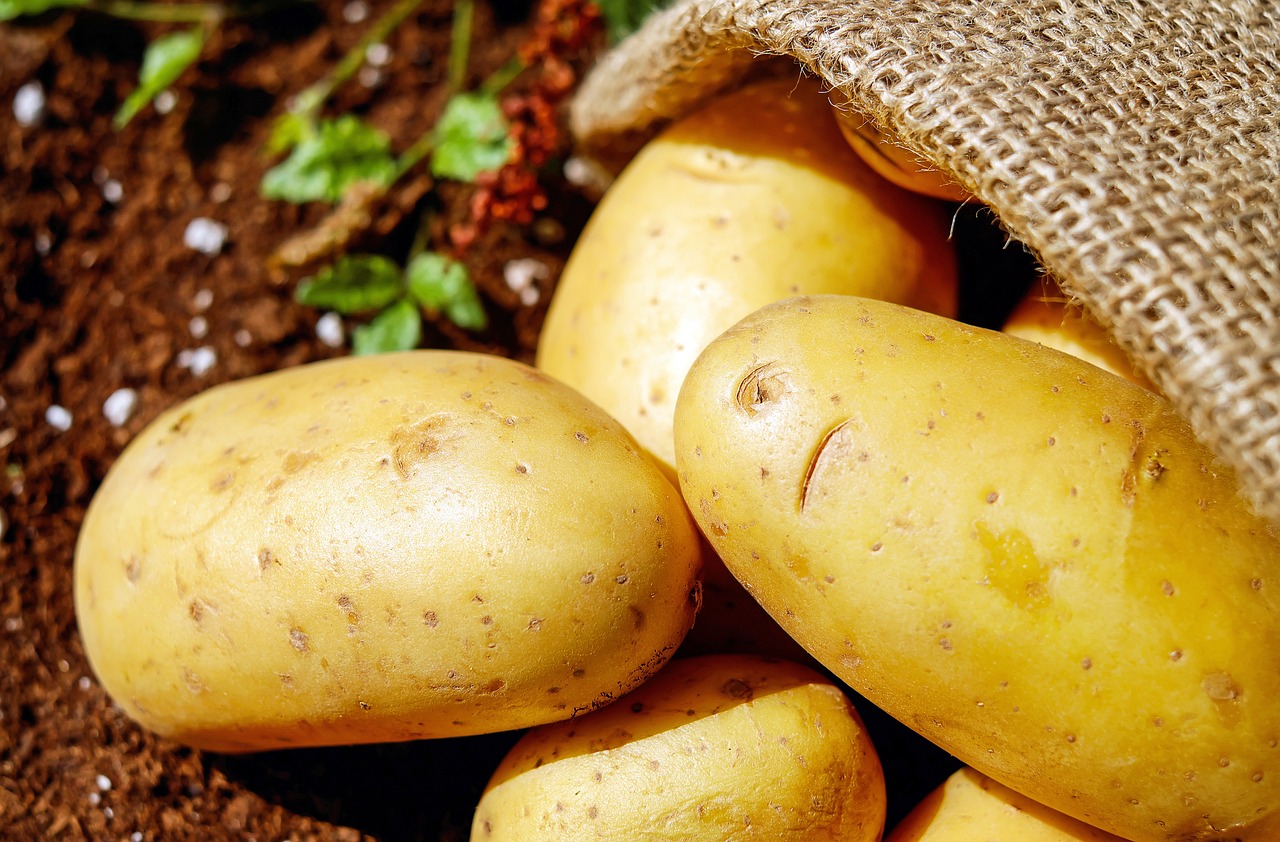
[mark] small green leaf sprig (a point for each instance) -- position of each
(168, 56)
(329, 158)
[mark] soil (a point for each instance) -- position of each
(99, 293)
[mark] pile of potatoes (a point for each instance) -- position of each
(757, 435)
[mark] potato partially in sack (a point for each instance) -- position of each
(425, 544)
(715, 747)
(754, 198)
(1028, 560)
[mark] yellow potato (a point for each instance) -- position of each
(713, 748)
(1028, 560)
(380, 548)
(754, 198)
(1045, 315)
(894, 162)
(970, 807)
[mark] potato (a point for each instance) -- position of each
(1030, 561)
(1046, 315)
(425, 544)
(751, 199)
(716, 747)
(970, 807)
(894, 162)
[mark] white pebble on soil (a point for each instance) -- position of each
(378, 55)
(203, 300)
(165, 101)
(199, 327)
(112, 191)
(58, 417)
(355, 11)
(103, 782)
(329, 330)
(520, 274)
(198, 361)
(205, 235)
(29, 104)
(119, 406)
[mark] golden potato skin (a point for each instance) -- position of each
(754, 198)
(970, 807)
(1046, 315)
(380, 548)
(1030, 561)
(713, 748)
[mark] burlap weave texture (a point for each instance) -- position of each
(1134, 147)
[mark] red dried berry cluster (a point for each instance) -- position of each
(563, 31)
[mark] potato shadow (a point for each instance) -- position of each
(422, 791)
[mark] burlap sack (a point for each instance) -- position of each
(1133, 146)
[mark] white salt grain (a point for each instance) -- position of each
(112, 191)
(119, 406)
(58, 417)
(355, 11)
(29, 104)
(198, 361)
(205, 235)
(199, 327)
(165, 101)
(329, 330)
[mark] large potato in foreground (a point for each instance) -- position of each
(1028, 560)
(713, 748)
(754, 198)
(417, 545)
(970, 807)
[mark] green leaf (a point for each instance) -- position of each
(443, 285)
(162, 64)
(323, 165)
(622, 17)
(471, 137)
(288, 130)
(358, 283)
(10, 9)
(397, 328)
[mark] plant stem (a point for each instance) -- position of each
(313, 97)
(154, 12)
(464, 12)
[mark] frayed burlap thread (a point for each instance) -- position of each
(1134, 147)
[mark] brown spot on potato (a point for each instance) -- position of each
(132, 569)
(196, 611)
(579, 672)
(522, 469)
(430, 620)
(588, 578)
(193, 682)
(736, 688)
(833, 445)
(494, 686)
(760, 386)
(1166, 588)
(265, 559)
(413, 444)
(592, 812)
(535, 624)
(637, 617)
(714, 524)
(581, 436)
(295, 461)
(993, 496)
(364, 705)
(222, 482)
(299, 639)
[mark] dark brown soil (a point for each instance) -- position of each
(98, 293)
